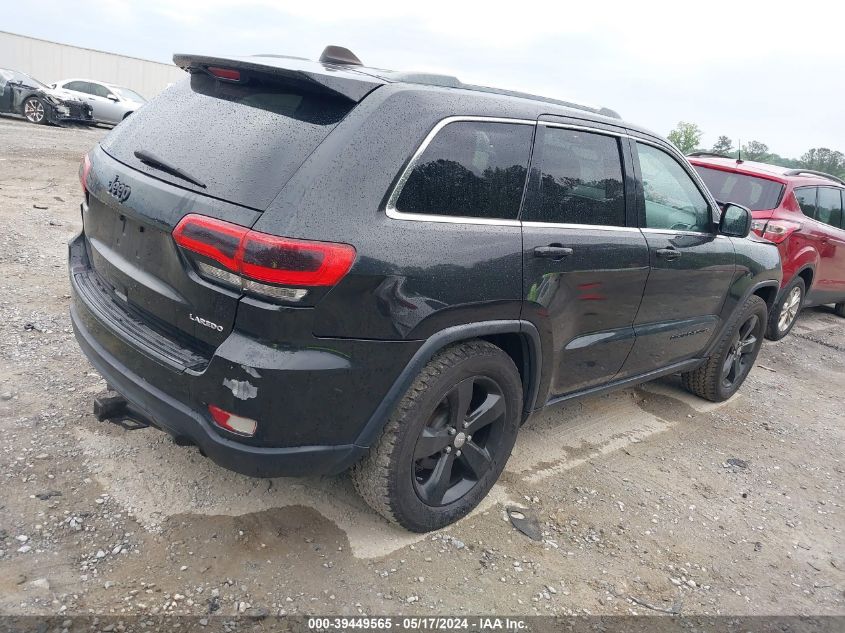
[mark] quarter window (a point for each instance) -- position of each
(672, 200)
(830, 206)
(580, 179)
(470, 169)
(806, 197)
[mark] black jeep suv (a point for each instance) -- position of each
(303, 267)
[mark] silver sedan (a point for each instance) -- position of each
(111, 104)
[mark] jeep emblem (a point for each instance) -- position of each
(119, 190)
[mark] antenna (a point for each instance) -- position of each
(739, 151)
(339, 55)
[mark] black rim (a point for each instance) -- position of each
(459, 443)
(740, 354)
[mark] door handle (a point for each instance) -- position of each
(553, 251)
(669, 254)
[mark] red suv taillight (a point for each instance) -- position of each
(776, 230)
(84, 169)
(260, 263)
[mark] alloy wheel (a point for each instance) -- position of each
(33, 110)
(790, 309)
(459, 443)
(741, 352)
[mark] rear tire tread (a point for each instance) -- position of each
(371, 475)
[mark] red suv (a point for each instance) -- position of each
(799, 210)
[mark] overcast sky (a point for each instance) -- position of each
(768, 71)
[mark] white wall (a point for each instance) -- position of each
(50, 62)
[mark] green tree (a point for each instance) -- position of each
(685, 136)
(755, 150)
(824, 159)
(723, 145)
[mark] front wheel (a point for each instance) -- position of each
(35, 111)
(785, 312)
(448, 440)
(726, 369)
(839, 309)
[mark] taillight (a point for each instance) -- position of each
(229, 74)
(260, 263)
(236, 424)
(778, 230)
(758, 227)
(84, 169)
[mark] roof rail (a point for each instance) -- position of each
(711, 154)
(813, 172)
(340, 56)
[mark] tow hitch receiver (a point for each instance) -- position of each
(113, 408)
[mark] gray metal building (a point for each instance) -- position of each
(51, 61)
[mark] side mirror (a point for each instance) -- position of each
(736, 220)
(111, 97)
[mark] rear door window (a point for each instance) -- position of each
(243, 141)
(806, 197)
(473, 169)
(580, 178)
(830, 206)
(98, 90)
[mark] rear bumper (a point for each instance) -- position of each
(311, 397)
(170, 415)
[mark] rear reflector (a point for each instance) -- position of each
(259, 262)
(225, 73)
(232, 423)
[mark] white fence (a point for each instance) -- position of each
(51, 61)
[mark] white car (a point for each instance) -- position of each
(111, 104)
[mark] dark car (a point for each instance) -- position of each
(801, 211)
(38, 102)
(303, 267)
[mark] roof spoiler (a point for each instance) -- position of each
(347, 84)
(813, 172)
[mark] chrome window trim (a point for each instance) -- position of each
(390, 208)
(573, 126)
(564, 225)
(682, 232)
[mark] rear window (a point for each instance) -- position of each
(242, 141)
(755, 193)
(470, 169)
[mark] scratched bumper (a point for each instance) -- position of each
(311, 397)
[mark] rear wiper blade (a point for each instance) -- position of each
(154, 161)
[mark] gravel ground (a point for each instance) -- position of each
(649, 500)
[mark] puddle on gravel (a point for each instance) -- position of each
(156, 480)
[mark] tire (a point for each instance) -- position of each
(399, 479)
(839, 309)
(746, 333)
(785, 312)
(34, 110)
